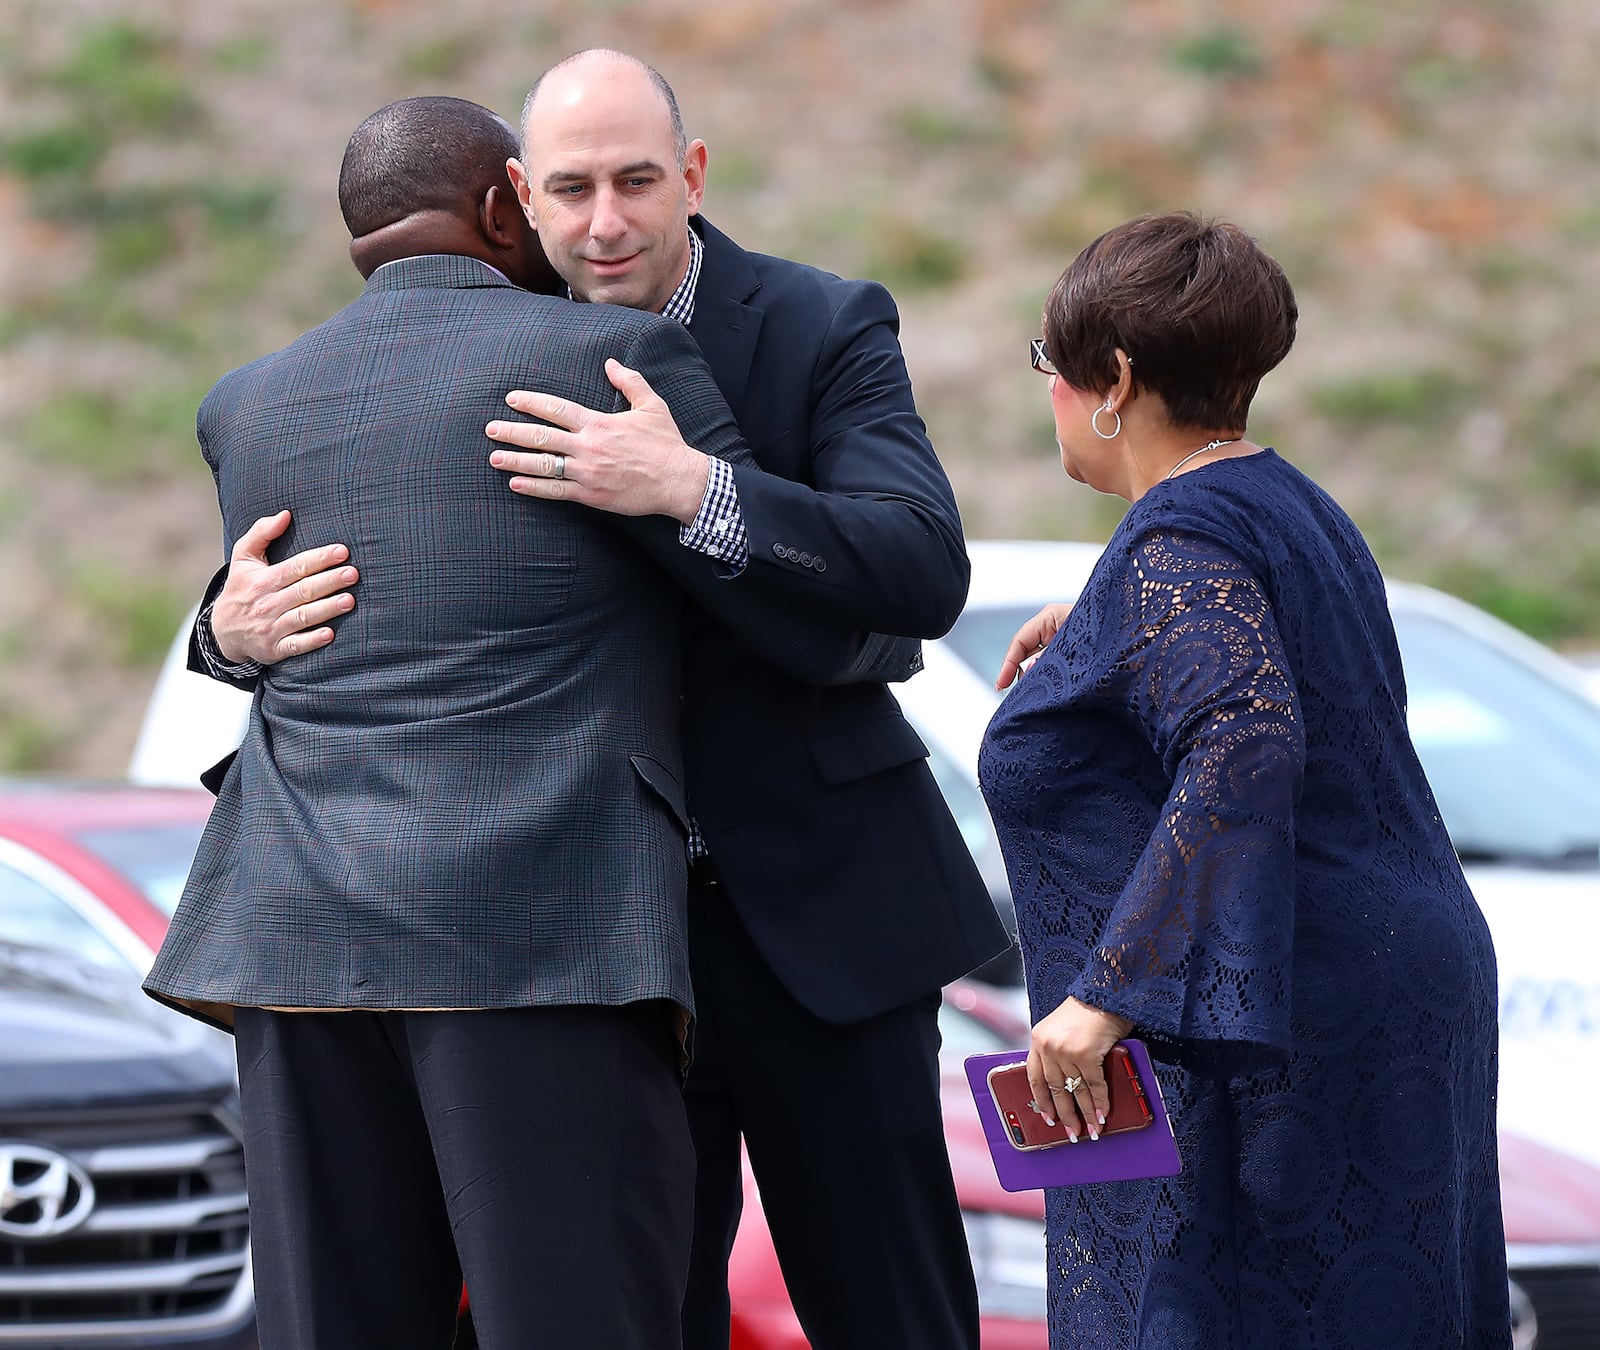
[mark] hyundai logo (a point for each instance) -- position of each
(42, 1194)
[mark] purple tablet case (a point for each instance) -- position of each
(1150, 1152)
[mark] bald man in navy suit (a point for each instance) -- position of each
(831, 894)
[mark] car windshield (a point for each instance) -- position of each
(980, 636)
(155, 858)
(34, 915)
(1513, 756)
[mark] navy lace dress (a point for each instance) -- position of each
(1215, 824)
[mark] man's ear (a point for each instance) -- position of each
(524, 186)
(494, 219)
(694, 174)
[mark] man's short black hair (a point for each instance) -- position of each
(421, 154)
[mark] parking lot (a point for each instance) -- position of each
(135, 1108)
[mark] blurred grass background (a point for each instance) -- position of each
(1427, 173)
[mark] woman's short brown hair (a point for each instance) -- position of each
(1200, 309)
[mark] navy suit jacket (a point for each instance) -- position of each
(817, 802)
(473, 798)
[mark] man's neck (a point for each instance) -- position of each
(680, 304)
(414, 236)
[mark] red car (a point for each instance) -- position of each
(1551, 1202)
(95, 870)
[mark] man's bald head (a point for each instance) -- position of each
(600, 63)
(422, 154)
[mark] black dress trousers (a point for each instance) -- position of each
(540, 1153)
(846, 1139)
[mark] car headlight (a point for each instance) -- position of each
(1008, 1262)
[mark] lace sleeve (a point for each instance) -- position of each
(1196, 948)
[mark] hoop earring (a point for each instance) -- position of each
(1095, 423)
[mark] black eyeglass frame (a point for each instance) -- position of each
(1038, 359)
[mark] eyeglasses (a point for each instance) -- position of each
(1038, 360)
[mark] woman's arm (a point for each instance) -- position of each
(1196, 949)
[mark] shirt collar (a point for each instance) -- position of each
(680, 305)
(392, 261)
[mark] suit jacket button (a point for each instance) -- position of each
(805, 560)
(820, 564)
(778, 549)
(793, 555)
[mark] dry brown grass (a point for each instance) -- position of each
(1428, 173)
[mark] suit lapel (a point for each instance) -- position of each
(725, 326)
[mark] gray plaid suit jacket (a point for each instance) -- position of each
(473, 798)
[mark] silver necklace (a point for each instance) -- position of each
(1209, 445)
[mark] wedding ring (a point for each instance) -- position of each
(560, 470)
(1072, 1085)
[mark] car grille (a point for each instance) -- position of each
(166, 1246)
(1562, 1287)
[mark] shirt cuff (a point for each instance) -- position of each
(719, 530)
(216, 664)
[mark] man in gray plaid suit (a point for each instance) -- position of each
(441, 897)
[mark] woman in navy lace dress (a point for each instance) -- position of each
(1220, 839)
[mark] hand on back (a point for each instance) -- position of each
(268, 611)
(632, 463)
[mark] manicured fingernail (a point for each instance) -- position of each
(498, 459)
(1100, 1116)
(1072, 1137)
(1050, 1121)
(1094, 1134)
